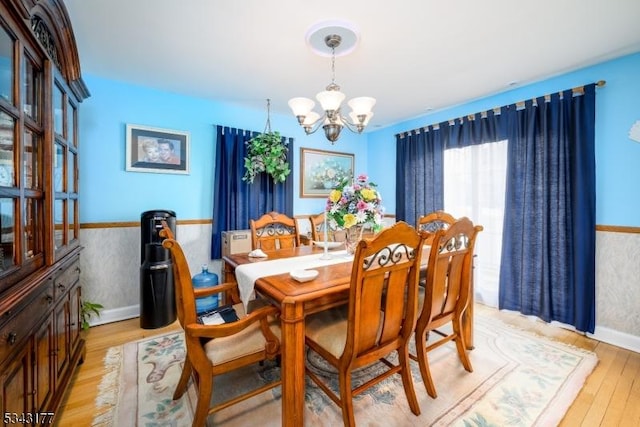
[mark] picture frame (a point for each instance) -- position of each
(321, 171)
(157, 150)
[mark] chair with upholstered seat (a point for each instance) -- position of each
(446, 294)
(274, 231)
(214, 350)
(377, 321)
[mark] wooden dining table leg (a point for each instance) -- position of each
(293, 362)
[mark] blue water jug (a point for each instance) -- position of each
(205, 280)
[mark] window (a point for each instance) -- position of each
(474, 186)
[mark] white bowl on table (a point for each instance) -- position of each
(304, 275)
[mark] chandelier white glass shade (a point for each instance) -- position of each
(332, 121)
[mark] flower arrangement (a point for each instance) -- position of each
(357, 203)
(328, 173)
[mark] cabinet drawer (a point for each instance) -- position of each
(67, 278)
(19, 326)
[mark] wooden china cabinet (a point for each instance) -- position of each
(40, 91)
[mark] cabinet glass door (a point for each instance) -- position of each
(65, 167)
(6, 65)
(30, 94)
(7, 166)
(7, 234)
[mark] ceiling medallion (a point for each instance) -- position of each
(332, 39)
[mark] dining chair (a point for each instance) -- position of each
(214, 350)
(434, 221)
(378, 319)
(274, 231)
(446, 294)
(317, 230)
(317, 227)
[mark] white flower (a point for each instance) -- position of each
(361, 216)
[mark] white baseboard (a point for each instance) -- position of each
(617, 338)
(609, 336)
(115, 315)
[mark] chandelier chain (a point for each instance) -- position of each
(333, 65)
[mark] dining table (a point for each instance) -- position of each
(296, 300)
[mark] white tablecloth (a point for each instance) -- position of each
(247, 274)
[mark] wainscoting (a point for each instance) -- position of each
(618, 287)
(110, 264)
(110, 274)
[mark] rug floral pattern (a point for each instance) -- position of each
(159, 355)
(518, 380)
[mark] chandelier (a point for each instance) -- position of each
(332, 121)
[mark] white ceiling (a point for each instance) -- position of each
(413, 55)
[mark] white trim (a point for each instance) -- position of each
(116, 315)
(602, 334)
(609, 336)
(617, 338)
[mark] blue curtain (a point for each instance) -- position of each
(419, 174)
(548, 249)
(420, 160)
(548, 254)
(235, 202)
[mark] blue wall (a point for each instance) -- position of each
(110, 194)
(617, 156)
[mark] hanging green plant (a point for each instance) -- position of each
(267, 152)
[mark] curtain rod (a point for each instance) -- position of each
(578, 90)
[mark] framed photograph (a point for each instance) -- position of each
(157, 150)
(321, 171)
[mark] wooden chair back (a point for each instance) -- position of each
(383, 294)
(317, 230)
(447, 292)
(381, 314)
(274, 231)
(317, 227)
(434, 221)
(217, 349)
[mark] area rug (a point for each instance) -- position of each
(519, 379)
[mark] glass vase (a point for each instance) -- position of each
(352, 237)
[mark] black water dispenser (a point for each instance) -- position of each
(157, 293)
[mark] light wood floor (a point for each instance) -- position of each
(610, 397)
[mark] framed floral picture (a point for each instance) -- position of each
(320, 171)
(157, 150)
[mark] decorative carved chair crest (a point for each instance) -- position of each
(275, 230)
(433, 226)
(394, 254)
(454, 244)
